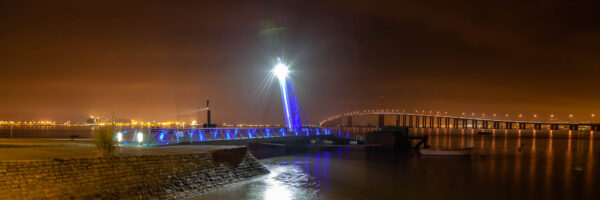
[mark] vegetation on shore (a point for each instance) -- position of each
(104, 139)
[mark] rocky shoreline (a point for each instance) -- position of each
(168, 176)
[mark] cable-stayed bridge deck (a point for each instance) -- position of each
(167, 136)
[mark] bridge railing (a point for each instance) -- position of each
(353, 133)
(161, 136)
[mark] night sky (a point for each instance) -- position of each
(157, 60)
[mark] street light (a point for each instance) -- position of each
(570, 117)
(281, 71)
(140, 137)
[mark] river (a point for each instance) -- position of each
(560, 165)
(509, 164)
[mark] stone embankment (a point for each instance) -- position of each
(126, 177)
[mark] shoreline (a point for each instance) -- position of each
(150, 172)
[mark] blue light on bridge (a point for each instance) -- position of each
(288, 96)
(174, 136)
(268, 135)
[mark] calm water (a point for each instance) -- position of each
(511, 165)
(51, 131)
(506, 165)
(45, 131)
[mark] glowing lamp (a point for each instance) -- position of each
(140, 137)
(280, 70)
(288, 96)
(119, 136)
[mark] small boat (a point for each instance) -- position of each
(446, 152)
(483, 133)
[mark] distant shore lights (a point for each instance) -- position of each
(288, 96)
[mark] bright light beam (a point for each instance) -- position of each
(281, 71)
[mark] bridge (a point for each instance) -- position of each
(416, 120)
(240, 135)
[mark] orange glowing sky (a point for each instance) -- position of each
(157, 60)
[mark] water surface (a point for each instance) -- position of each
(504, 166)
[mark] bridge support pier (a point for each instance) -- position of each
(496, 125)
(537, 126)
(397, 120)
(381, 121)
(417, 122)
(474, 124)
(403, 120)
(485, 124)
(439, 122)
(410, 121)
(553, 126)
(574, 127)
(431, 122)
(464, 123)
(509, 125)
(522, 125)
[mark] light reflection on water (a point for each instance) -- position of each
(506, 165)
(275, 188)
(290, 177)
